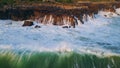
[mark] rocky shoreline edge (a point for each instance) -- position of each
(56, 14)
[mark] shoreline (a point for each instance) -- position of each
(43, 13)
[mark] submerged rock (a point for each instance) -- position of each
(66, 27)
(37, 26)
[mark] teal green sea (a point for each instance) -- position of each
(56, 60)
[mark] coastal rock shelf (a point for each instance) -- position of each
(58, 14)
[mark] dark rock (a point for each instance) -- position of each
(118, 14)
(66, 26)
(105, 15)
(37, 26)
(28, 23)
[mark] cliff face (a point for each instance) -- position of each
(16, 13)
(56, 14)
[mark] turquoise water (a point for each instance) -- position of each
(57, 60)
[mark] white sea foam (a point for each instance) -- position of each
(118, 10)
(97, 36)
(5, 46)
(107, 14)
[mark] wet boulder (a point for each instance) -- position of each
(37, 26)
(66, 27)
(28, 23)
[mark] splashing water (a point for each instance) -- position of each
(94, 44)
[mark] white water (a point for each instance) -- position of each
(98, 36)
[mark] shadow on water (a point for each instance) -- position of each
(81, 38)
(103, 43)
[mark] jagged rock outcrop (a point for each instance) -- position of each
(57, 14)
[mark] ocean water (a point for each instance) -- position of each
(95, 44)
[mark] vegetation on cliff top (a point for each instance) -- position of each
(17, 2)
(63, 1)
